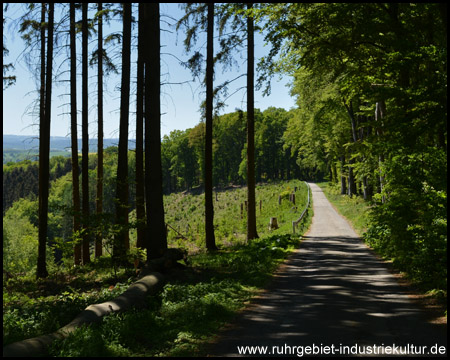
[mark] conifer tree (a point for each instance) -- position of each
(44, 147)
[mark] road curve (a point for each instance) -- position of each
(334, 296)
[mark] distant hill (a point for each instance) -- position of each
(57, 143)
(19, 147)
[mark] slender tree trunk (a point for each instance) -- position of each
(73, 132)
(380, 112)
(41, 267)
(343, 182)
(209, 207)
(251, 213)
(156, 228)
(351, 180)
(99, 198)
(122, 243)
(44, 149)
(140, 193)
(85, 135)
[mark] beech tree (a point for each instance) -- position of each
(388, 62)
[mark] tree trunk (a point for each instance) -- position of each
(351, 179)
(251, 213)
(99, 198)
(121, 243)
(44, 147)
(343, 182)
(140, 193)
(85, 135)
(380, 112)
(209, 207)
(156, 229)
(74, 131)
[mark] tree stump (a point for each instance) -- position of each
(273, 225)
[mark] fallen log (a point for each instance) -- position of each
(133, 296)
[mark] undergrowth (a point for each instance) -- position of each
(191, 308)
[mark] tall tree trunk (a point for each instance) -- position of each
(85, 135)
(99, 198)
(343, 182)
(209, 206)
(156, 228)
(140, 193)
(251, 213)
(121, 244)
(44, 148)
(351, 180)
(380, 112)
(73, 133)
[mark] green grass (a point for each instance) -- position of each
(194, 303)
(185, 213)
(190, 310)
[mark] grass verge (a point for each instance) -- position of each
(356, 211)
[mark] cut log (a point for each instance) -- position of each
(133, 296)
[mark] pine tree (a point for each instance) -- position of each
(85, 136)
(251, 213)
(99, 198)
(121, 243)
(74, 131)
(156, 237)
(140, 181)
(44, 148)
(209, 207)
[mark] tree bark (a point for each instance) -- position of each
(121, 243)
(99, 198)
(133, 296)
(85, 136)
(140, 193)
(380, 112)
(251, 213)
(351, 179)
(343, 182)
(44, 147)
(209, 207)
(156, 229)
(73, 133)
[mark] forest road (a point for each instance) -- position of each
(335, 297)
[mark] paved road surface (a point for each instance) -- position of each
(333, 291)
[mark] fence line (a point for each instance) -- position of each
(296, 222)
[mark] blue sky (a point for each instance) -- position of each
(179, 103)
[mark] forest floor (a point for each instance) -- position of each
(334, 295)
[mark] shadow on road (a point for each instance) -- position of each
(332, 291)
